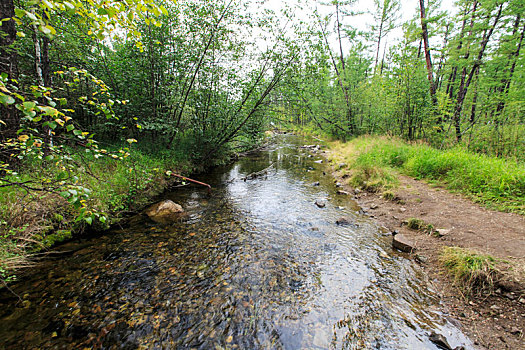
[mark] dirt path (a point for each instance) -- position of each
(493, 322)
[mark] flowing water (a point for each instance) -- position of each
(257, 265)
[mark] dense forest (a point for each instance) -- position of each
(100, 99)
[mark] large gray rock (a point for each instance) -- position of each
(164, 212)
(403, 243)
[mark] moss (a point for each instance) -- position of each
(57, 237)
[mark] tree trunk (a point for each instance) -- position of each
(428, 57)
(378, 43)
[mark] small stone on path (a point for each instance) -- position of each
(402, 243)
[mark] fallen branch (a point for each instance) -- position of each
(194, 181)
(255, 175)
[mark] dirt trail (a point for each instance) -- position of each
(493, 322)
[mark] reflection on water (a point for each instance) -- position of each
(257, 265)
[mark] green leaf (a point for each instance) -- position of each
(6, 99)
(29, 105)
(89, 220)
(70, 127)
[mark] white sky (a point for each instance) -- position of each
(409, 8)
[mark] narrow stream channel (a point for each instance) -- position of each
(255, 266)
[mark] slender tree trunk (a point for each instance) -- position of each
(453, 75)
(466, 80)
(505, 83)
(428, 58)
(46, 74)
(341, 56)
(38, 57)
(378, 43)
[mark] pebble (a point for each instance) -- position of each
(421, 258)
(522, 300)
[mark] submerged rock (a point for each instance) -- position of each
(402, 243)
(343, 220)
(165, 211)
(320, 203)
(440, 341)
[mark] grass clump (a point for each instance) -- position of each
(415, 224)
(420, 225)
(474, 273)
(390, 196)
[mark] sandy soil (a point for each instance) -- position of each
(493, 322)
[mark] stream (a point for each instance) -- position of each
(257, 265)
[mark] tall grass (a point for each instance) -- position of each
(498, 183)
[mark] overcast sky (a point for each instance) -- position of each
(362, 22)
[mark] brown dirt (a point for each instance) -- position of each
(496, 321)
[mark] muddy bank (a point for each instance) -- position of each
(495, 321)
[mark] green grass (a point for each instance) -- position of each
(472, 272)
(497, 183)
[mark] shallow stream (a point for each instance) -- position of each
(257, 265)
